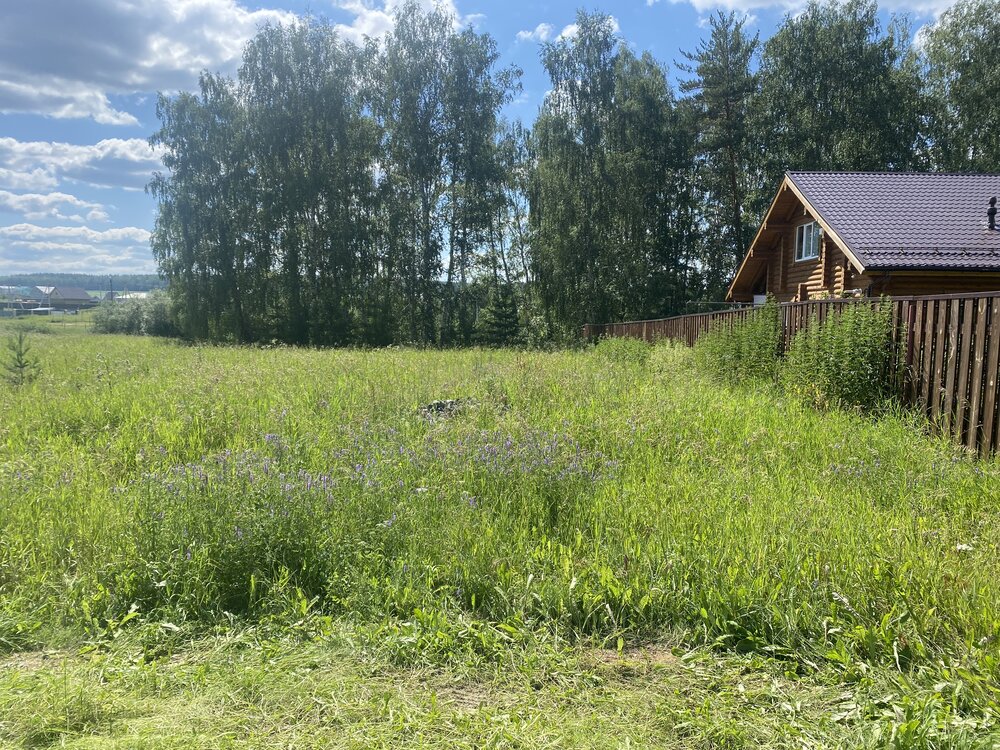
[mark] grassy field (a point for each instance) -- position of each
(230, 547)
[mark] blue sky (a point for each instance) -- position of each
(78, 82)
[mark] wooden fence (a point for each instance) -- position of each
(948, 347)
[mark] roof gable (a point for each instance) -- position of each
(69, 293)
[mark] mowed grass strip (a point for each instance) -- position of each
(603, 497)
(243, 691)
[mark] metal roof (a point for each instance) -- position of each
(70, 293)
(908, 220)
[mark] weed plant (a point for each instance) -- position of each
(744, 350)
(844, 361)
(148, 316)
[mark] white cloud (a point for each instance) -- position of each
(65, 58)
(35, 206)
(113, 162)
(541, 33)
(571, 30)
(25, 248)
(376, 19)
(36, 179)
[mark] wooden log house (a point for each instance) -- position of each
(835, 234)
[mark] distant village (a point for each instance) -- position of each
(16, 301)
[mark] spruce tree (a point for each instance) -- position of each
(499, 324)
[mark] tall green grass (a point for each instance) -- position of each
(590, 494)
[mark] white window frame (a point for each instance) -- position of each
(808, 238)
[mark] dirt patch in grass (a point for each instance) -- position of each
(648, 656)
(465, 697)
(32, 661)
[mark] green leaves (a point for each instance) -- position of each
(613, 212)
(314, 199)
(960, 54)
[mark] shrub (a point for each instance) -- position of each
(743, 350)
(150, 316)
(845, 361)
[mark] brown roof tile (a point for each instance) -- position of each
(906, 220)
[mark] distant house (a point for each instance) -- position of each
(20, 293)
(67, 297)
(873, 233)
(15, 300)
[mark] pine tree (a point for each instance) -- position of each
(21, 366)
(499, 324)
(722, 87)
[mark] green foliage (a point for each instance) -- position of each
(613, 207)
(499, 323)
(21, 366)
(845, 361)
(743, 350)
(372, 164)
(837, 92)
(150, 316)
(960, 52)
(722, 88)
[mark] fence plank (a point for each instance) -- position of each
(964, 363)
(936, 392)
(976, 382)
(927, 356)
(949, 378)
(986, 441)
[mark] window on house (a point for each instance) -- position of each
(807, 241)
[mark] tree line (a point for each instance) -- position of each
(334, 193)
(133, 282)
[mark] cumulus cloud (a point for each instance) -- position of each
(112, 162)
(541, 33)
(35, 179)
(63, 58)
(58, 206)
(374, 19)
(571, 30)
(26, 248)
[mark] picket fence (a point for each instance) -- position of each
(948, 347)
